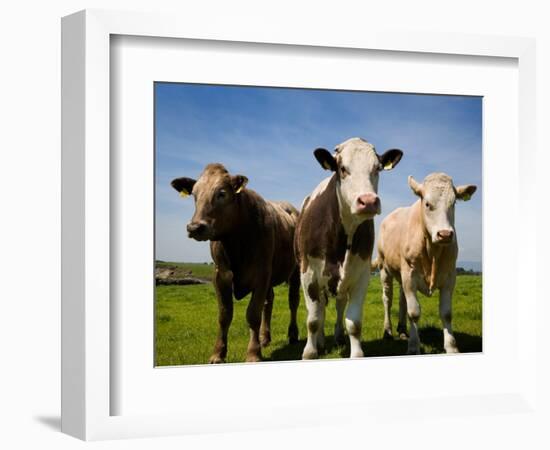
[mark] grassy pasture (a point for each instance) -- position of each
(186, 323)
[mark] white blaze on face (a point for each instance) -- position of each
(438, 207)
(359, 168)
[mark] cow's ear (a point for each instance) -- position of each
(465, 191)
(415, 186)
(238, 182)
(183, 185)
(390, 158)
(326, 160)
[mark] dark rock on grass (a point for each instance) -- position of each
(179, 281)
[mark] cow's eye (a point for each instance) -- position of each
(221, 194)
(428, 206)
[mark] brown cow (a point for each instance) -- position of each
(251, 242)
(418, 247)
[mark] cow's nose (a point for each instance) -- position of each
(368, 203)
(445, 235)
(196, 228)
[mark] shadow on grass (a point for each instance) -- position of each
(431, 337)
(466, 343)
(292, 352)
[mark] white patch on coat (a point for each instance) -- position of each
(321, 187)
(361, 166)
(438, 204)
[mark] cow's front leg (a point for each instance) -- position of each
(354, 314)
(387, 298)
(315, 313)
(402, 323)
(265, 329)
(413, 311)
(445, 312)
(254, 319)
(224, 292)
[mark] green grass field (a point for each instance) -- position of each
(186, 323)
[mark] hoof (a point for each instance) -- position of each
(216, 359)
(387, 335)
(452, 350)
(310, 354)
(357, 354)
(253, 358)
(402, 331)
(340, 339)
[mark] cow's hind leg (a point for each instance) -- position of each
(339, 334)
(402, 323)
(265, 329)
(321, 332)
(293, 303)
(387, 298)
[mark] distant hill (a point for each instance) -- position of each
(470, 265)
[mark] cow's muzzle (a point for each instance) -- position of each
(368, 204)
(444, 236)
(199, 231)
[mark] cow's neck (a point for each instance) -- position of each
(431, 253)
(348, 221)
(245, 221)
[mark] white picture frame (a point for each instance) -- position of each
(87, 328)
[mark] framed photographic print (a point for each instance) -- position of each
(257, 198)
(215, 132)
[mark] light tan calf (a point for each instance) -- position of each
(418, 247)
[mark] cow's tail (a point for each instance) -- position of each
(376, 264)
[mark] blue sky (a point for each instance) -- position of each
(269, 134)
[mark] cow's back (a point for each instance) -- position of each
(262, 242)
(284, 220)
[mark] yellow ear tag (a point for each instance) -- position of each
(466, 197)
(388, 166)
(239, 190)
(184, 193)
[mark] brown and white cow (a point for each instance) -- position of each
(251, 242)
(418, 247)
(335, 238)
